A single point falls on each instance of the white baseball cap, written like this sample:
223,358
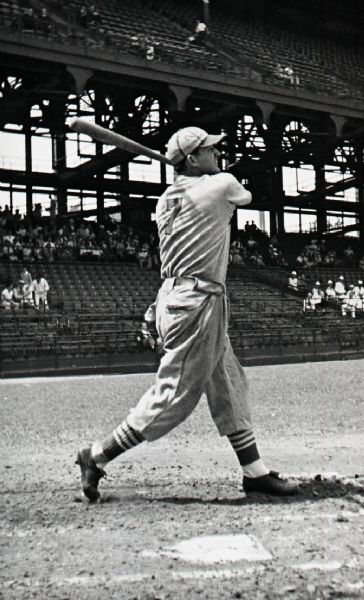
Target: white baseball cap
317,283
188,139
293,273
329,282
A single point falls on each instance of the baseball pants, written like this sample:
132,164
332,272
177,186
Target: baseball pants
192,324
41,297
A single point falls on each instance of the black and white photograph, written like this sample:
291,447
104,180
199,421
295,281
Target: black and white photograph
182,300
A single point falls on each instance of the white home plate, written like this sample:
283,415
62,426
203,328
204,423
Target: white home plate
217,548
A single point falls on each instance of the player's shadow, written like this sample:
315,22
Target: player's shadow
311,491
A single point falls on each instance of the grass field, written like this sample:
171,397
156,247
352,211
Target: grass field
309,422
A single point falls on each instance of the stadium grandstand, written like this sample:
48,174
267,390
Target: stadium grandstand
283,80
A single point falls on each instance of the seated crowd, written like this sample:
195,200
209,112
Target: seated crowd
350,298
34,240
33,20
253,246
27,292
316,254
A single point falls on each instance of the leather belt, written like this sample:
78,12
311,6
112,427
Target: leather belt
195,283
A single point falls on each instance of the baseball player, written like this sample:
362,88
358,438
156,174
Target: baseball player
193,218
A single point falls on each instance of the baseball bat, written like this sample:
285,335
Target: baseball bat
101,134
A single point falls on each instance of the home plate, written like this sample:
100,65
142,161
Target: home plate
211,549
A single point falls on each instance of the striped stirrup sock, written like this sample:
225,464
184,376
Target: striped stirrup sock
245,446
123,438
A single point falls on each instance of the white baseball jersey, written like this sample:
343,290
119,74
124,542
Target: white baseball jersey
193,217
40,286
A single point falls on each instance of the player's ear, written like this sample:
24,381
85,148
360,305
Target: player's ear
191,160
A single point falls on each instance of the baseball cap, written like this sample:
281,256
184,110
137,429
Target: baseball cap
188,139
317,283
360,282
329,282
293,273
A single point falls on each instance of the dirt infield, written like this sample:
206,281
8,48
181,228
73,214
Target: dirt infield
309,423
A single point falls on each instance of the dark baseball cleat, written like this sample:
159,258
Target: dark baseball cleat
90,474
270,484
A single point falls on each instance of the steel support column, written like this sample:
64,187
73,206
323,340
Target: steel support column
320,205
59,164
99,151
28,164
360,192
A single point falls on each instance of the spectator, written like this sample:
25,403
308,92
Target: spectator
22,232
301,260
317,294
120,250
37,253
359,293
28,20
44,22
256,258
83,232
247,227
279,71
7,251
313,255
94,17
7,297
154,251
251,244
27,290
25,276
18,294
340,288
349,302
9,237
308,305
40,288
200,32
330,294
131,249
272,255
290,74
293,280
27,250
236,257
102,236
49,250
83,17
349,257
18,247
329,259
253,227
143,256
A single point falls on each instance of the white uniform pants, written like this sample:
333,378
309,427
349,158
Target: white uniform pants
198,358
41,297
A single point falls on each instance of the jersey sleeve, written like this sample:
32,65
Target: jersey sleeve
235,192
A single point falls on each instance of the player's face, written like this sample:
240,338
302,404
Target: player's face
207,160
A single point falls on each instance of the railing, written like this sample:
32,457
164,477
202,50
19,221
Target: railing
314,342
